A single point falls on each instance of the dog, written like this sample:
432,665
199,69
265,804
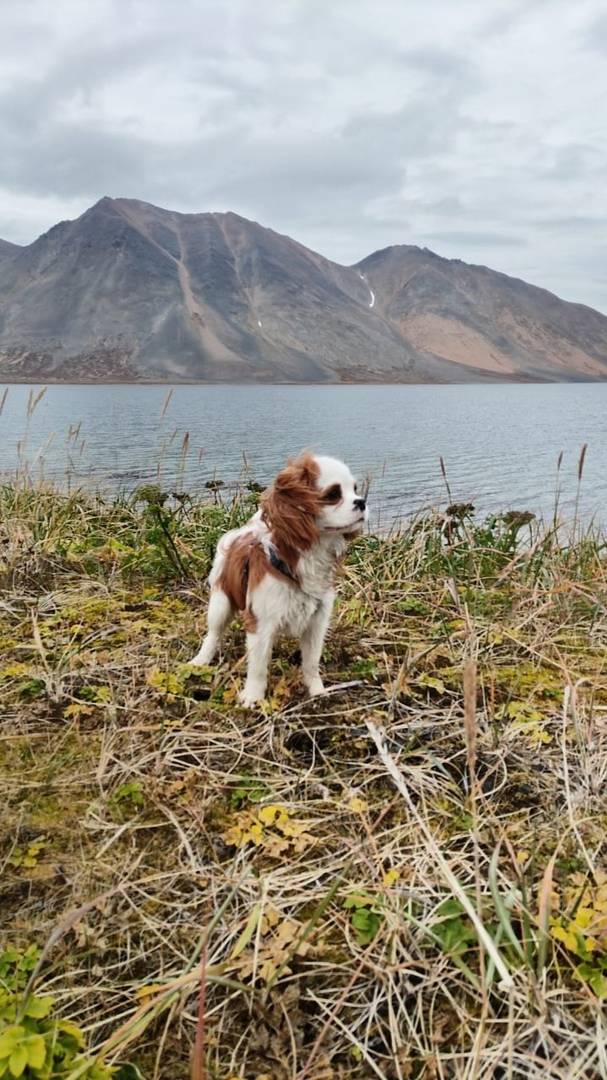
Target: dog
278,569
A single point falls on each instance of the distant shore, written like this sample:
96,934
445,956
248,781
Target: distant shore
49,381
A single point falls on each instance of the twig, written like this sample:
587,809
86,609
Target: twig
454,884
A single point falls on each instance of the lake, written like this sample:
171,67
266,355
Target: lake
500,443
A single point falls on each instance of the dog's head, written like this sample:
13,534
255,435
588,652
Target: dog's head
313,496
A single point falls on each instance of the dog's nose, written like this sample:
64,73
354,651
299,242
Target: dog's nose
360,504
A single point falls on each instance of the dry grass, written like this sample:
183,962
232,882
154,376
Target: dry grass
402,879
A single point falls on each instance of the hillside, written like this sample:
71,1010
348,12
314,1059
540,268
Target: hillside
485,320
7,248
132,291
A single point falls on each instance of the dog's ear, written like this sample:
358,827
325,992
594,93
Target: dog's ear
298,478
291,505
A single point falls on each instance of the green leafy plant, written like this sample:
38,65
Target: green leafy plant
185,681
35,1044
365,918
583,931
249,789
365,669
453,928
128,799
27,857
46,1048
16,966
160,530
526,719
32,688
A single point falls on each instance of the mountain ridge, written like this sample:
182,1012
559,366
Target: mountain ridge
132,292
8,248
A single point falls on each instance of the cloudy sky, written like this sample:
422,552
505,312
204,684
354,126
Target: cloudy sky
473,127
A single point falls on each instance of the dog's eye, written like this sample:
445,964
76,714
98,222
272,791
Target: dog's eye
333,494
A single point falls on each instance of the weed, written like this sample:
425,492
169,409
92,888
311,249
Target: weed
383,881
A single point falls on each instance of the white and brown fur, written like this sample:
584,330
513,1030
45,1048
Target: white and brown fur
278,569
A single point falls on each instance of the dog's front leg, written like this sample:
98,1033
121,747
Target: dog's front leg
312,641
259,651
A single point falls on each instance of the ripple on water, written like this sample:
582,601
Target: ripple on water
500,444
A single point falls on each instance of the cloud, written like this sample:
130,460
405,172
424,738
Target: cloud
474,129
595,35
473,238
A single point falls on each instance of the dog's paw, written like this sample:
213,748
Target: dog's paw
315,687
200,660
250,697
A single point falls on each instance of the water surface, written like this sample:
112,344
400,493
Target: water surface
500,444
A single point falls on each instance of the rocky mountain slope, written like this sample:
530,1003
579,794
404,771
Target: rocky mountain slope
6,248
131,291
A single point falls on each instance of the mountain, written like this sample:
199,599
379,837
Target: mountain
132,291
489,322
6,248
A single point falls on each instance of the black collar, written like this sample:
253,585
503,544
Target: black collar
279,564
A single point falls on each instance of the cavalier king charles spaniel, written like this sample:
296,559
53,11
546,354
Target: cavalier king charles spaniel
278,569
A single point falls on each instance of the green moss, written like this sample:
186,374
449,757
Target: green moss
129,767
525,680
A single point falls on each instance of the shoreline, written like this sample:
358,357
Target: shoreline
199,382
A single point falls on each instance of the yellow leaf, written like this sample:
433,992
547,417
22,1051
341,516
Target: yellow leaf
291,828
276,846
568,939
583,918
432,683
151,988
282,821
255,833
233,835
543,737
358,806
165,682
302,842
270,919
79,709
286,932
391,877
18,668
359,900
268,814
270,966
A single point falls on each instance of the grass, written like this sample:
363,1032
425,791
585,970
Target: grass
403,879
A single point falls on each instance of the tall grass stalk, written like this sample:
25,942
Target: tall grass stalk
578,490
403,875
